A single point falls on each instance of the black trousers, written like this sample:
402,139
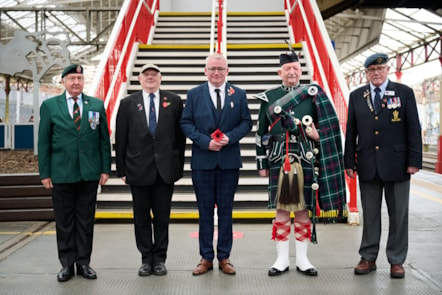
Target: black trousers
151,206
74,211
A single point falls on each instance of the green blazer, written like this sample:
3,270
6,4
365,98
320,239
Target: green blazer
66,155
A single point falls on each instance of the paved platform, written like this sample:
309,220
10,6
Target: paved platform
29,264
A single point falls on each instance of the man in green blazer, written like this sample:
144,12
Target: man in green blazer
74,158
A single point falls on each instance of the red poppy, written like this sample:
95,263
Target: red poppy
231,91
217,135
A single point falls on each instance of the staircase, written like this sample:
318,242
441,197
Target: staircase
179,48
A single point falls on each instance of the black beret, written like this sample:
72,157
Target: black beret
72,69
285,58
376,59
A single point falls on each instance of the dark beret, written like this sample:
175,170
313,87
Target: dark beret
285,58
376,59
72,69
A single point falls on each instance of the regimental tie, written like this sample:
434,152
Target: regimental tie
152,116
218,100
377,100
76,114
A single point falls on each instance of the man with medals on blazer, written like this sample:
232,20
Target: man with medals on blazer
216,116
149,146
74,158
383,146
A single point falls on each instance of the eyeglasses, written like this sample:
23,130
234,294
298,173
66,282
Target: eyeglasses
377,69
72,79
219,69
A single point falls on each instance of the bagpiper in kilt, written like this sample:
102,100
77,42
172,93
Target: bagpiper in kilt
312,100
298,146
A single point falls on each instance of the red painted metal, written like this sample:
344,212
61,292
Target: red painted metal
220,25
413,57
144,24
438,165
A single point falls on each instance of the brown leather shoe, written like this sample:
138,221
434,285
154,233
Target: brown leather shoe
203,267
397,271
364,267
227,267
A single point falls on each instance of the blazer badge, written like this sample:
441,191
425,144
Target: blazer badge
395,116
93,119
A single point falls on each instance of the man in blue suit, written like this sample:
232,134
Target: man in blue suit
216,116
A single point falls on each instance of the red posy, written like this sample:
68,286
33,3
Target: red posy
217,135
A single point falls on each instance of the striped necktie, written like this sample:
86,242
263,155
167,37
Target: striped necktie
76,114
152,116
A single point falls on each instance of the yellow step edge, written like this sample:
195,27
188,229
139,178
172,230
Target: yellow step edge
232,13
171,13
257,13
194,215
229,46
171,46
263,46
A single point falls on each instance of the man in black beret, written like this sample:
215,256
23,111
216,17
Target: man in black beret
384,146
72,69
74,158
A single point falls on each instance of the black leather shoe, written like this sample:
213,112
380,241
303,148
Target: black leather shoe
159,269
308,272
276,272
86,271
65,273
145,270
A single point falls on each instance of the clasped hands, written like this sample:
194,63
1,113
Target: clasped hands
218,140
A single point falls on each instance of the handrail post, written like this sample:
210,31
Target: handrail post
212,27
220,25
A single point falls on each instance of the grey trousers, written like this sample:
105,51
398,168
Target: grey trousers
397,195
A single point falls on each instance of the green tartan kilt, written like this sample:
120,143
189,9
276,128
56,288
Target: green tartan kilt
275,167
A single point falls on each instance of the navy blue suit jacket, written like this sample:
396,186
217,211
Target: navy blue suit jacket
385,143
200,120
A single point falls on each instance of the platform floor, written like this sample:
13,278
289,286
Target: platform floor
29,264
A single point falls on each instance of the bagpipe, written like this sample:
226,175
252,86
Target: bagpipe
290,191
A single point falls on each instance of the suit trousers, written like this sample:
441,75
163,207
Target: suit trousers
151,207
215,187
397,201
74,212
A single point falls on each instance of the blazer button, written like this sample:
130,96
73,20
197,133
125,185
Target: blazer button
377,147
376,132
376,118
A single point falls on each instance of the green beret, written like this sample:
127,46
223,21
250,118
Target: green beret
285,58
72,69
376,59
